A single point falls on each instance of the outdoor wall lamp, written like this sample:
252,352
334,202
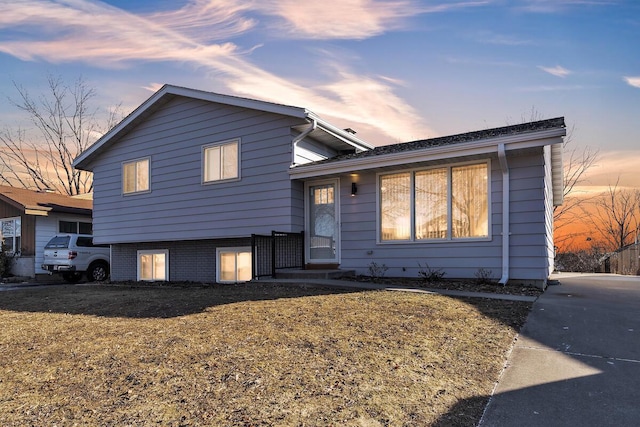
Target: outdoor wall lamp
354,189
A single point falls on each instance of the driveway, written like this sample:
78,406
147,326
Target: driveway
577,359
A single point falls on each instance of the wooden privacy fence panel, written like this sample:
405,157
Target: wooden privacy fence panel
626,261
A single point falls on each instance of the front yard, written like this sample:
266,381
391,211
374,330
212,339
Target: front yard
248,355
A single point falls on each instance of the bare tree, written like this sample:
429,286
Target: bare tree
616,216
64,126
576,162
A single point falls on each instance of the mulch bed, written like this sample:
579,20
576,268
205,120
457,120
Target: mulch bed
456,285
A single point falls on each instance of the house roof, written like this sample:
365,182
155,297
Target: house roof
41,203
525,135
322,130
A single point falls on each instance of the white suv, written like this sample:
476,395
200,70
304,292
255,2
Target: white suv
74,254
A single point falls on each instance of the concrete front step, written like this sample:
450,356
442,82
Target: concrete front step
313,274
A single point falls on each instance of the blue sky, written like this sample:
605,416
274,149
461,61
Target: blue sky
392,70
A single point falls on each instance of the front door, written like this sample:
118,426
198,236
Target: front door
323,235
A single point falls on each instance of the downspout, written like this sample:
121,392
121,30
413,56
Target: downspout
502,157
297,139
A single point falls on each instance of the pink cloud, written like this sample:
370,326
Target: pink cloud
348,19
104,36
633,81
557,71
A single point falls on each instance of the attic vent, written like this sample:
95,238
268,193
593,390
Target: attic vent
351,131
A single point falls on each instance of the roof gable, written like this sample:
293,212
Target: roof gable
169,92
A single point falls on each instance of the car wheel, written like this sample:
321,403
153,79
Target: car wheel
98,272
73,277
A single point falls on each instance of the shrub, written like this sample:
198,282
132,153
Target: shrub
5,264
377,271
430,275
484,277
584,261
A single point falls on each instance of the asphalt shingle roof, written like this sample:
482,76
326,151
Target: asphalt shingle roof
518,129
30,199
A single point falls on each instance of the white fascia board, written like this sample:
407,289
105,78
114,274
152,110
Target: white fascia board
253,104
114,131
340,133
37,211
472,148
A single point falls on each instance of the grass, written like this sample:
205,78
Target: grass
248,355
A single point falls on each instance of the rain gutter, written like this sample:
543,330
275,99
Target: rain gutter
300,137
504,167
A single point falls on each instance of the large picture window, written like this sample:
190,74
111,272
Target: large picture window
153,265
10,234
135,176
220,161
435,204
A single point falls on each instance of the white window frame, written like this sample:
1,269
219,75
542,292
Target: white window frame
136,162
449,237
14,236
165,252
220,144
235,250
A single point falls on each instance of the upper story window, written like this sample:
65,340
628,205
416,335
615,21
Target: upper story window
10,234
435,204
135,176
221,161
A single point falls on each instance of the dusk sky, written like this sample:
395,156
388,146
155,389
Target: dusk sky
392,70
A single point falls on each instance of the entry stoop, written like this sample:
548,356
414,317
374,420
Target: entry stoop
313,274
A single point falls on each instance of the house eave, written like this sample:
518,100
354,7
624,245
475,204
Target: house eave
472,148
341,134
37,210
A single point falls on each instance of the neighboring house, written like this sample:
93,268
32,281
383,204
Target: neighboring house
28,219
182,183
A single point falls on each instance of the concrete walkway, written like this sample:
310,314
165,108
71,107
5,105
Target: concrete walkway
577,359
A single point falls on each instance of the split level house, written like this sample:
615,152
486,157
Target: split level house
28,219
187,185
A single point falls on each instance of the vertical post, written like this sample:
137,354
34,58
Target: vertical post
273,254
254,260
302,254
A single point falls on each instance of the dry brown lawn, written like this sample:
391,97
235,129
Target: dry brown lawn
248,355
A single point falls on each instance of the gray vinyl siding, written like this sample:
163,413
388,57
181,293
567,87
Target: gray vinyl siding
178,206
529,257
458,259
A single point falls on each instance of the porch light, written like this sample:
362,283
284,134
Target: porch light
354,189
